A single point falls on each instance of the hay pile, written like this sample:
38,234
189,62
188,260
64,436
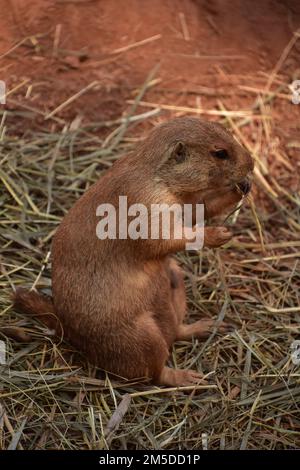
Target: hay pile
50,398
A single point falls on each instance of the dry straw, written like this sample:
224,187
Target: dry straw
52,399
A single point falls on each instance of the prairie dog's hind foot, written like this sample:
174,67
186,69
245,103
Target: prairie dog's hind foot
180,377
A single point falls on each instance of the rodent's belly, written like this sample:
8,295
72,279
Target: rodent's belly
106,306
109,294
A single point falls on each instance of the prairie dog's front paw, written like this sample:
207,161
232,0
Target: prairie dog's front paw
216,236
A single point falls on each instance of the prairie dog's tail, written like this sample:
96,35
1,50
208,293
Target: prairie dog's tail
37,305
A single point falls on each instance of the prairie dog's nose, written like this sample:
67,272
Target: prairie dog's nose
245,186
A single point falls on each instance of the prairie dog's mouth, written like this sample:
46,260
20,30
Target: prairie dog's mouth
221,200
227,200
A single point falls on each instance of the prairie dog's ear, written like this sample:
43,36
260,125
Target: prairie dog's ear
179,152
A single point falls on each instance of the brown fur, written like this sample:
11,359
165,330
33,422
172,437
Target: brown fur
123,301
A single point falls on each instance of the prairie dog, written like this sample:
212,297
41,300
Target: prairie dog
122,301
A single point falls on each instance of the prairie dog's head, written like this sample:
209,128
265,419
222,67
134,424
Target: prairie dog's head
199,162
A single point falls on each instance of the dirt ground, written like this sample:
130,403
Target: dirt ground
206,49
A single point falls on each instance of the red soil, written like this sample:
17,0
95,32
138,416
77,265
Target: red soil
206,50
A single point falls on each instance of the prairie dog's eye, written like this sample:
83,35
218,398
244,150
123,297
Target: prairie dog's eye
222,154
